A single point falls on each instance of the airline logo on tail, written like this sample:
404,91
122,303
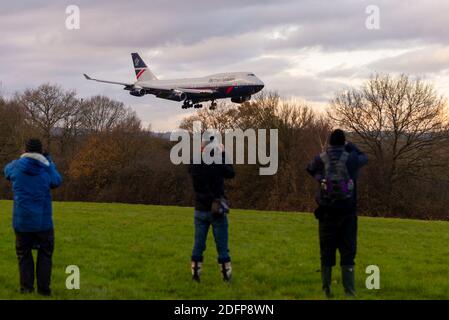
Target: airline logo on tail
141,69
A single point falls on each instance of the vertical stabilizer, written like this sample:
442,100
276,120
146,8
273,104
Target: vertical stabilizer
143,73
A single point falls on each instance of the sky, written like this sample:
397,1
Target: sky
305,49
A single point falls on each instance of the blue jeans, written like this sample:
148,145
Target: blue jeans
203,220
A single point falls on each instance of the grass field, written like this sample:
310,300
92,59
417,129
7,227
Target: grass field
143,252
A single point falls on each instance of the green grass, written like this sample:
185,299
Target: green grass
143,252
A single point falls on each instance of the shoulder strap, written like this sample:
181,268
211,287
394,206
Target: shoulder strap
344,157
342,168
326,160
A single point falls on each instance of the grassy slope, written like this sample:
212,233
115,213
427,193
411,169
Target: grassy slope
142,252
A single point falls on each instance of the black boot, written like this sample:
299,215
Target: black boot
326,278
196,270
348,277
226,270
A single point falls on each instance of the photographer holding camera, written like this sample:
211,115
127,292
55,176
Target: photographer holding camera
336,171
211,209
33,176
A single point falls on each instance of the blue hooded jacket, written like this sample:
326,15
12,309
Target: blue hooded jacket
32,176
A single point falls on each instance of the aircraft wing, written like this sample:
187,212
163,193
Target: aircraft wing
127,85
164,90
156,88
196,91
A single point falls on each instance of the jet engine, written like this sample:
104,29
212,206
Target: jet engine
137,92
240,99
177,95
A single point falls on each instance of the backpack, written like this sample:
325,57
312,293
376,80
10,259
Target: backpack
337,184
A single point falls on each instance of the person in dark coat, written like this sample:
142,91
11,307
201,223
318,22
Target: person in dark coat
338,218
33,176
209,188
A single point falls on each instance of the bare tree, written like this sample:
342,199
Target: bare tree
401,121
258,113
47,106
13,129
100,113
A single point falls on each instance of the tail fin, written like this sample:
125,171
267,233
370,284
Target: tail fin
141,69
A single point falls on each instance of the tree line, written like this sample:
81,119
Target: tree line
106,155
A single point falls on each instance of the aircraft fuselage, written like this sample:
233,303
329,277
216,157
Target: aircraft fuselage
239,86
222,85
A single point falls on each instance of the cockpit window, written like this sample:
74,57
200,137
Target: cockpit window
251,75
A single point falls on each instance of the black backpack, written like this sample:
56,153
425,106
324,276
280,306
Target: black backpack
337,184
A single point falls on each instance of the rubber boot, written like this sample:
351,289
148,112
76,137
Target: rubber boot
326,278
196,270
348,278
226,271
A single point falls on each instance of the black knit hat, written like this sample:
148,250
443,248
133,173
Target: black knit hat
34,146
337,138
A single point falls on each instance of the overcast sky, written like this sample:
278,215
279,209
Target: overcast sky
307,49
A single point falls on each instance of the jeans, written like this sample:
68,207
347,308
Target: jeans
44,243
338,232
203,220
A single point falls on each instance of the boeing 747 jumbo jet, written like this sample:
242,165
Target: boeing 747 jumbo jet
238,86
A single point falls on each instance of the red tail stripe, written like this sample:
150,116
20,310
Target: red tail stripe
140,73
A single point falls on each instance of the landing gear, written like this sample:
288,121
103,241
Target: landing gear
187,104
213,105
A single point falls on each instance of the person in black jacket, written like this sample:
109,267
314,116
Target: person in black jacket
338,218
208,185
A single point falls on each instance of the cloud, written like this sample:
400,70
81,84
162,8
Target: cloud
305,48
434,59
310,88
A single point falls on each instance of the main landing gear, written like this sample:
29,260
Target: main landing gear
213,105
189,104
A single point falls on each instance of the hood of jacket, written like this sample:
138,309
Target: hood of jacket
33,163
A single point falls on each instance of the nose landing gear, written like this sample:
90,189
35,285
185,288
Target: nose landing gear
213,105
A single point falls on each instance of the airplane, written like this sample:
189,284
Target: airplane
239,86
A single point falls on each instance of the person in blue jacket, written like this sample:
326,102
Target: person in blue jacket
33,176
